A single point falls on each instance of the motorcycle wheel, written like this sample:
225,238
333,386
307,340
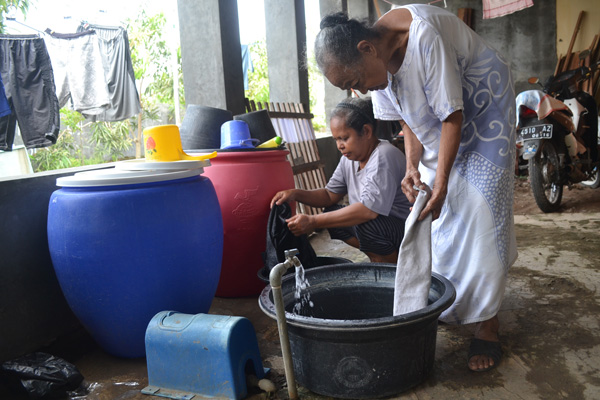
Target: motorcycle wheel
594,183
543,173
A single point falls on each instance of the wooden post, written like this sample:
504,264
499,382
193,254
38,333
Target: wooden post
577,27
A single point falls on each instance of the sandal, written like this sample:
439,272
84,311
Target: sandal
487,348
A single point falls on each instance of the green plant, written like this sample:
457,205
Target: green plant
111,139
258,79
58,156
65,153
152,61
316,94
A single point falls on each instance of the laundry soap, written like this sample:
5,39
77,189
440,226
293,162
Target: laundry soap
275,142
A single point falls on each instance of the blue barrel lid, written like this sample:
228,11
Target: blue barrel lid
114,177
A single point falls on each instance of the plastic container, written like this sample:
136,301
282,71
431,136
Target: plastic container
245,183
349,345
204,354
128,244
264,272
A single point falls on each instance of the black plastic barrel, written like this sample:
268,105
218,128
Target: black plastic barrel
349,345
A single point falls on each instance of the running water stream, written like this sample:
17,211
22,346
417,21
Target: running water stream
303,303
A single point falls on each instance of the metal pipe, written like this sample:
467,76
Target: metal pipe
275,279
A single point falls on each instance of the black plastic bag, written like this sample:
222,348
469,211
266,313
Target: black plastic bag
280,239
42,375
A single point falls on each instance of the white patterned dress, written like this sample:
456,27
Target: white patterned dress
447,67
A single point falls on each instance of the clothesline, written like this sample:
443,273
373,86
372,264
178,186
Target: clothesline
19,22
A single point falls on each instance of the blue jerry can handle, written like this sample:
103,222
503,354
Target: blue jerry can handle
175,321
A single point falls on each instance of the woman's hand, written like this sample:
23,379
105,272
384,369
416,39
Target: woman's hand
283,197
411,179
301,224
435,203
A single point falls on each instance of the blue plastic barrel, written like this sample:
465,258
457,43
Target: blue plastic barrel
127,245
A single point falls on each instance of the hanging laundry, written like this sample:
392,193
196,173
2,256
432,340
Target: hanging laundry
4,106
114,47
78,71
26,72
247,65
498,8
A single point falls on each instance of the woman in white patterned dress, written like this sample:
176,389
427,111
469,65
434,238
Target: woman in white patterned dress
454,97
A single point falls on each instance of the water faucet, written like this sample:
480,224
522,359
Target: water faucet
275,279
277,272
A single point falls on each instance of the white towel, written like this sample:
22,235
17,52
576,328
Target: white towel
413,273
498,8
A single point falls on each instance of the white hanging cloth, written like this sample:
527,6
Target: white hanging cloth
413,272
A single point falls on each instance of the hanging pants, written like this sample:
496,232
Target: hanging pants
78,71
123,94
30,92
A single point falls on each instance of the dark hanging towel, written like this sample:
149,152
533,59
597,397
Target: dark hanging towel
30,90
124,98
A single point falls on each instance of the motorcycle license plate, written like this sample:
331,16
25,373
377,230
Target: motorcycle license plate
537,132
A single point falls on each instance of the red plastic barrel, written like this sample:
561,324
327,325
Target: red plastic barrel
245,182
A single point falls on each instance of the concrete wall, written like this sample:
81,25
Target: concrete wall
527,38
33,308
567,12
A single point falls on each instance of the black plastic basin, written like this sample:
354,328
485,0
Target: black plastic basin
263,273
349,345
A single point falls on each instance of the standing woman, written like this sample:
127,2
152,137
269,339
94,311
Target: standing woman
454,96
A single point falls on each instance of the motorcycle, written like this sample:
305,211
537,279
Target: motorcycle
557,135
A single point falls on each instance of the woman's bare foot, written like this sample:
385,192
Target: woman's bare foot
488,331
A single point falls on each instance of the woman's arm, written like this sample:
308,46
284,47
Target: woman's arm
449,143
313,198
351,215
413,149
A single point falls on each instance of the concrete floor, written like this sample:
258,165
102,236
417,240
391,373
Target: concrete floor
550,327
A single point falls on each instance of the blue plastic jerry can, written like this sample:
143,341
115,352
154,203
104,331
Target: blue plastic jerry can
202,354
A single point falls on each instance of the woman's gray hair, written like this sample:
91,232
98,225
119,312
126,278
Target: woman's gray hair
356,113
336,42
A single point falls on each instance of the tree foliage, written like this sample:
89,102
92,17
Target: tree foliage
64,153
112,139
258,79
7,5
151,57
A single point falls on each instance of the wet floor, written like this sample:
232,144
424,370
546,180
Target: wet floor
550,328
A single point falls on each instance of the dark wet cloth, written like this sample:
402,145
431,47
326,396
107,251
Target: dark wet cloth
280,238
